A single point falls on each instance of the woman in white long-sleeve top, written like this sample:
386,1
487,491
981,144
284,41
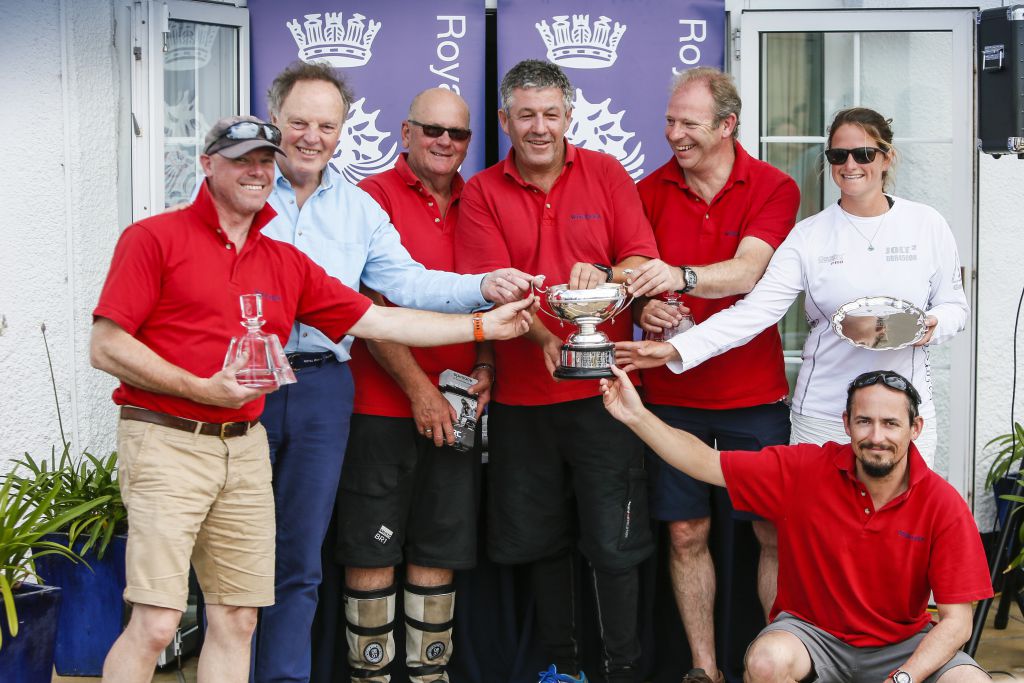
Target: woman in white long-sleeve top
867,244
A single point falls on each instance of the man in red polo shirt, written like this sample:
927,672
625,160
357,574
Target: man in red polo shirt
556,460
401,424
720,214
866,531
194,465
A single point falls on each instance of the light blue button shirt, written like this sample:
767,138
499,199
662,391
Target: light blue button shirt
346,232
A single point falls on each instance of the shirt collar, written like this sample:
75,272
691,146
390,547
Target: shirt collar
206,211
327,179
513,172
412,180
740,172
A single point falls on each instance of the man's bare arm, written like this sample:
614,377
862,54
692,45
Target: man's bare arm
942,642
730,277
680,449
114,351
424,328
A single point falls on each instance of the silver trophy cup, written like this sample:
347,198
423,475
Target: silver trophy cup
587,353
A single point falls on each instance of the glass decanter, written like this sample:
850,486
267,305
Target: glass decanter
267,366
672,299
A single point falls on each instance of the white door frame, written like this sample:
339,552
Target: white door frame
746,27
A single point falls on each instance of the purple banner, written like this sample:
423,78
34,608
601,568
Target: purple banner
620,57
388,51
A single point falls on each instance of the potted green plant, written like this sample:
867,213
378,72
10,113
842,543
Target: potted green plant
1002,473
29,616
91,617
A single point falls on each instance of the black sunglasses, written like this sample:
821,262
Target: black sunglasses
432,131
890,379
862,155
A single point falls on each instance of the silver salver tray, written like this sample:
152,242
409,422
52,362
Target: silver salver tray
880,323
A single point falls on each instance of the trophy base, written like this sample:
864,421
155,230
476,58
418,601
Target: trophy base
582,373
592,362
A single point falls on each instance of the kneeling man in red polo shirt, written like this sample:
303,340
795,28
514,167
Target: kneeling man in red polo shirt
866,530
194,463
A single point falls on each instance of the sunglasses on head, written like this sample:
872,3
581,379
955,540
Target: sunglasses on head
862,155
889,379
249,130
432,131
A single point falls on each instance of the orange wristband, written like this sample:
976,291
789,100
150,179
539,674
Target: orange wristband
478,327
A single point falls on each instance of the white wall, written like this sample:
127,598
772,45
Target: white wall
58,190
1000,281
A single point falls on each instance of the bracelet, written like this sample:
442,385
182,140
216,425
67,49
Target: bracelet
478,327
485,366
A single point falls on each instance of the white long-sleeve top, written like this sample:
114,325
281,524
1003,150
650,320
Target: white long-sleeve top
914,258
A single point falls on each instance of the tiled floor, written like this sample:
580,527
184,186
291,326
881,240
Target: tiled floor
1001,652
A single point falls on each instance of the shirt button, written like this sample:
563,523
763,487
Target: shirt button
227,246
300,232
707,215
305,334
863,493
291,201
548,205
430,203
437,220
867,511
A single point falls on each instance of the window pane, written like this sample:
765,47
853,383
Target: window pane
200,86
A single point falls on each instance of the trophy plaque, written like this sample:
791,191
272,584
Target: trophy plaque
880,323
267,366
587,353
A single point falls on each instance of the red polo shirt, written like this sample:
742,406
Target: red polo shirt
758,200
430,239
861,574
592,214
174,284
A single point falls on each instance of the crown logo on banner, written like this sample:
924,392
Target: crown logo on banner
330,41
578,46
359,154
189,45
595,127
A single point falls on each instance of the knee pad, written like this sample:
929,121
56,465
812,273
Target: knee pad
429,617
370,617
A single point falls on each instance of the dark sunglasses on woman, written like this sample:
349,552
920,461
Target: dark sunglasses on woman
862,155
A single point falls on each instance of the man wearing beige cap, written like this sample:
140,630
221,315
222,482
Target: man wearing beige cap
194,466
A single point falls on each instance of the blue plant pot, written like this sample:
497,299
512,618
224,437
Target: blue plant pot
28,658
93,612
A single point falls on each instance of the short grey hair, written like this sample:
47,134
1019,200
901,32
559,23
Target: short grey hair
535,73
302,71
723,92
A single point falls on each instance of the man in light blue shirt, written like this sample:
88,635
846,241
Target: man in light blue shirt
345,231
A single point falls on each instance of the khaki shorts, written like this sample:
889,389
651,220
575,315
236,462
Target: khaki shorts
201,499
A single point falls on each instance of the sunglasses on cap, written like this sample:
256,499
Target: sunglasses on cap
432,131
246,130
862,155
889,379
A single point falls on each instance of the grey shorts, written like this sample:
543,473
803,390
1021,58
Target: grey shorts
834,660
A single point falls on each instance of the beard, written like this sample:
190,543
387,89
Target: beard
874,469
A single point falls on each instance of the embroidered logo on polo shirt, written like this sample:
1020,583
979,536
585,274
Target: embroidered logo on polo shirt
383,535
910,537
267,296
584,216
832,260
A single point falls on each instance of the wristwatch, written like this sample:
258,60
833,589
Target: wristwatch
607,270
689,280
900,676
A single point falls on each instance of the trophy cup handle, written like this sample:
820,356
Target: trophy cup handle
626,303
539,292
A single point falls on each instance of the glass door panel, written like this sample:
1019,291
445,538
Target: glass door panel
807,66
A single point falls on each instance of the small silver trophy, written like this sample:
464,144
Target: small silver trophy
587,353
267,366
880,323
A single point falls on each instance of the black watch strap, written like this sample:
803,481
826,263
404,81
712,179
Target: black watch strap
689,280
607,270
